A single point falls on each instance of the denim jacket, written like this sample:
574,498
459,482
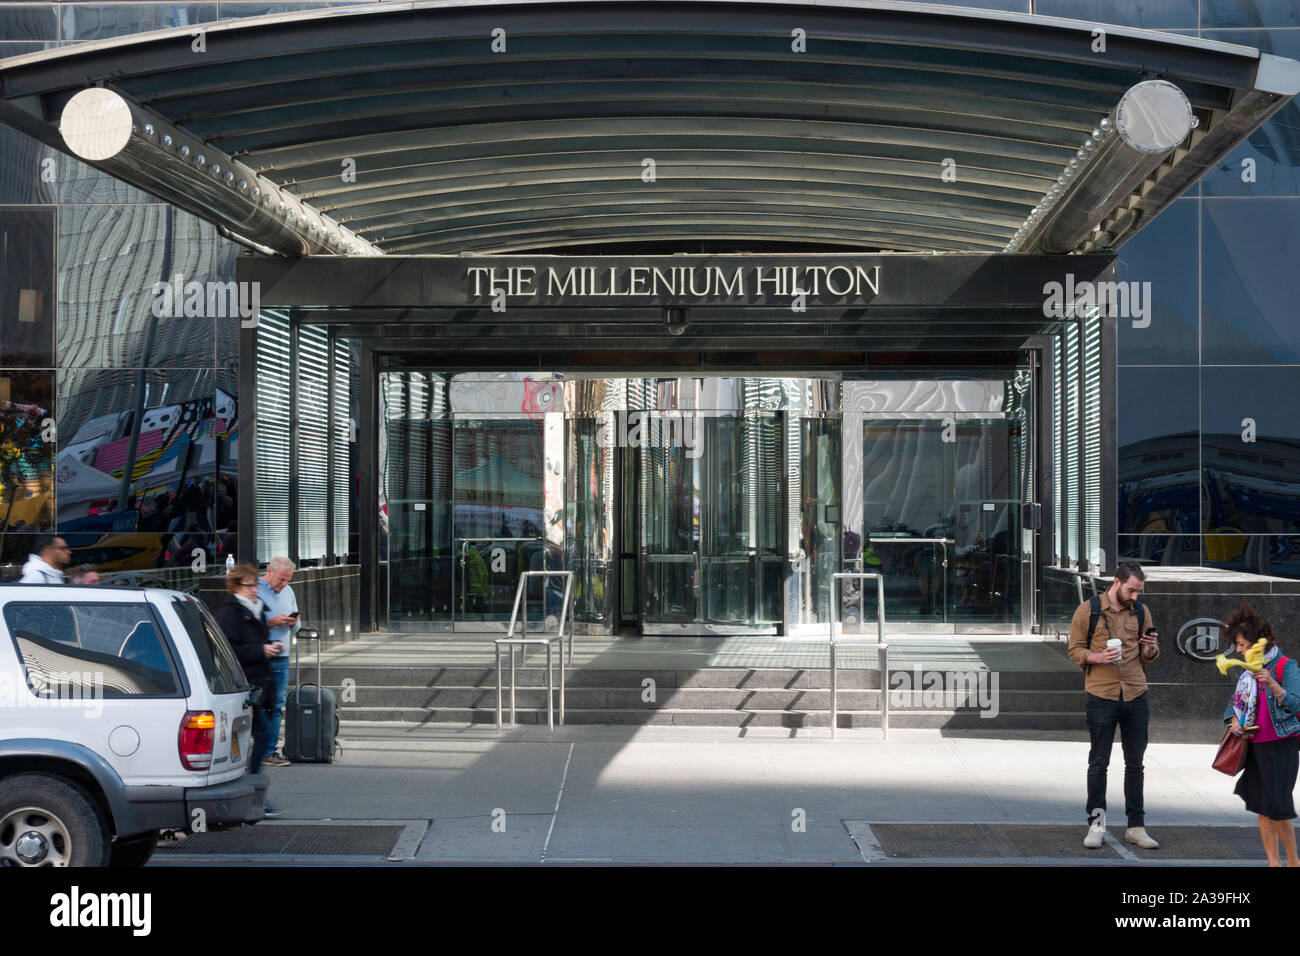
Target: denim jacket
1285,712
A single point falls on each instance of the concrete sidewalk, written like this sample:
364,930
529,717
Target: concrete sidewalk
710,795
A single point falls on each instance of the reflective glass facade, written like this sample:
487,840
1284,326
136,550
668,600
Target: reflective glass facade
117,425
711,505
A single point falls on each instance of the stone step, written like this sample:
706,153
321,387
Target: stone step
902,720
720,678
698,698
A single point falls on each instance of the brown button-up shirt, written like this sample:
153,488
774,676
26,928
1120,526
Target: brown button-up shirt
1109,680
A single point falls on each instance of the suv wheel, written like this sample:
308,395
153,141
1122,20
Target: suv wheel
133,852
48,821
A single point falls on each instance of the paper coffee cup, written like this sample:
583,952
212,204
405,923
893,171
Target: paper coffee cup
1114,642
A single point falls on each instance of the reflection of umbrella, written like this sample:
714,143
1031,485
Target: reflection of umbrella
496,482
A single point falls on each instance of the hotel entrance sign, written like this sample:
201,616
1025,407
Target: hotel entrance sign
810,281
676,284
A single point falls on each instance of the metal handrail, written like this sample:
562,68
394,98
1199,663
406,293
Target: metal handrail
521,598
879,644
521,602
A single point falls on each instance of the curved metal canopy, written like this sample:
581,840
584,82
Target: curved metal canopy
493,127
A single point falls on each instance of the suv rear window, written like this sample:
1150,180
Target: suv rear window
112,650
220,666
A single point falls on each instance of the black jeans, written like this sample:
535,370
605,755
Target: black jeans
1133,717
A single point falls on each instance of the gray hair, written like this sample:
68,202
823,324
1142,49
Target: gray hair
279,564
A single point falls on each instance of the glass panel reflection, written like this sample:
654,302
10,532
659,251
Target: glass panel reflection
1159,452
1152,14
26,451
22,21
137,466
670,534
26,287
90,21
111,315
1163,549
1163,254
590,520
496,513
1249,13
741,526
1250,282
1250,450
820,510
1266,163
26,164
941,511
693,503
1277,555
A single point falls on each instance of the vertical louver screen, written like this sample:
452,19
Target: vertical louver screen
313,441
342,426
1072,477
1089,554
1058,451
272,435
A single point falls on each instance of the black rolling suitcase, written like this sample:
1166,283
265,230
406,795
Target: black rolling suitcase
311,714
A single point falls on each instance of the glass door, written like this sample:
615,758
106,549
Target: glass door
941,515
496,515
712,529
670,539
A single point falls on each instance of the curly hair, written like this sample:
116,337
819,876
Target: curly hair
1245,622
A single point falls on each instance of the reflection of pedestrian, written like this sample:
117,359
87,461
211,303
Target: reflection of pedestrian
45,565
84,574
476,580
1273,755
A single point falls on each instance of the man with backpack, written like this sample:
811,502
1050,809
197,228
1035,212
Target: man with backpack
1116,689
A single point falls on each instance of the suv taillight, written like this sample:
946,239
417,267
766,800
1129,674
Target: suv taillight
198,728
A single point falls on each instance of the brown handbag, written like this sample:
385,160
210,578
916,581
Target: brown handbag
1231,757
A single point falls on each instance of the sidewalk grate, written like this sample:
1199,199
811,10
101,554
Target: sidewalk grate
290,839
993,841
927,841
1194,843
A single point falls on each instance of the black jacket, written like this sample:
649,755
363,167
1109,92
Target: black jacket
247,634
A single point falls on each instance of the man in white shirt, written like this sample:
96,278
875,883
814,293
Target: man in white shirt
46,564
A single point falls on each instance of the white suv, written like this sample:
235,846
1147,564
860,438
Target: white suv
123,714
